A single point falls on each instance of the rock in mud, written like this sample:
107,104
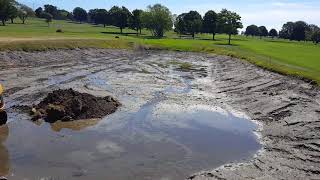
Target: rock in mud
68,105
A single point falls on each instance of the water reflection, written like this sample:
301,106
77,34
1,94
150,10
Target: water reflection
77,125
4,153
162,140
74,125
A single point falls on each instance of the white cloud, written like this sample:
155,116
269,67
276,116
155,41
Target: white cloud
275,14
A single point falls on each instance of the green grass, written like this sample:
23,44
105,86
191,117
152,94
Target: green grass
292,58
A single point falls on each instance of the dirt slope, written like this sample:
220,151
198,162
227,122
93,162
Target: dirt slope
289,111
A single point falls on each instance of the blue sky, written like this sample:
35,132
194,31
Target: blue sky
271,13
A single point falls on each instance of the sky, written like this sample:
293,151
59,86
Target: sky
270,13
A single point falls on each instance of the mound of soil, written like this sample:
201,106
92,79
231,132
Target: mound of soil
68,105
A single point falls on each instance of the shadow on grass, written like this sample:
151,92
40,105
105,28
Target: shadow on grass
97,25
143,36
76,22
237,39
118,33
209,39
227,45
132,34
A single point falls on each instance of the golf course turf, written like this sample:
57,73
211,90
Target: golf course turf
287,57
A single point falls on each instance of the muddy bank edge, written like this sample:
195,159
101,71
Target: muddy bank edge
289,111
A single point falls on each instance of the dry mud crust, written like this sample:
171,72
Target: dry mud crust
288,111
69,105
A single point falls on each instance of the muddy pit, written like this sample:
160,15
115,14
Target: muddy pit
181,114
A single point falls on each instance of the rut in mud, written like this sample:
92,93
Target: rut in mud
68,105
143,141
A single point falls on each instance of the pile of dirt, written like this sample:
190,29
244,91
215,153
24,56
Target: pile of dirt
68,105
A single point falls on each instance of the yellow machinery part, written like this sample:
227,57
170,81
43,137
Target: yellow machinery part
1,98
1,89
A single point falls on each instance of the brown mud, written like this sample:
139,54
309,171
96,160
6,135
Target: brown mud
69,105
286,109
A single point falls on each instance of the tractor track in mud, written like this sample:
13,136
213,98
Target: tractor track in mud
288,109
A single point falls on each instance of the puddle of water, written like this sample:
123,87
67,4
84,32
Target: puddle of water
159,141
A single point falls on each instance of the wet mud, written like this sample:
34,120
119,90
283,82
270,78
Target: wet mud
69,105
182,113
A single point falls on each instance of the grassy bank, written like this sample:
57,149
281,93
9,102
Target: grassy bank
293,58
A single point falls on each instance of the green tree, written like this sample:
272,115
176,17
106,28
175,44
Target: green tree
92,16
70,16
263,32
193,22
294,30
179,25
99,16
48,17
287,30
252,30
13,13
23,15
310,31
210,21
5,6
316,36
158,19
273,33
53,10
39,12
80,14
229,23
103,17
136,21
24,12
299,31
62,14
120,17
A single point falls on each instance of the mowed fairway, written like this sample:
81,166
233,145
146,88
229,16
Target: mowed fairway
288,57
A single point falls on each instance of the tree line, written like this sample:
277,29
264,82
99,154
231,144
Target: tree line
58,14
10,10
117,16
299,31
158,19
262,31
223,22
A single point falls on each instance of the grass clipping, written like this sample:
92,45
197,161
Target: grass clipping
69,105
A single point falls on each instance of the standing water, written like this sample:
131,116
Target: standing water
159,141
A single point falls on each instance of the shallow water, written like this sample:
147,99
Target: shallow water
168,137
161,140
